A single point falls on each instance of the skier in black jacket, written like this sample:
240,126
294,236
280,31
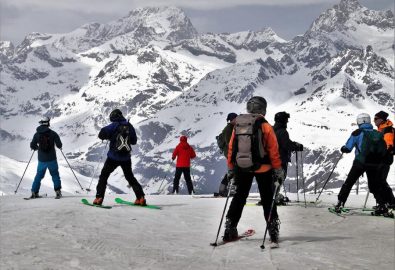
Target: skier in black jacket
227,134
285,145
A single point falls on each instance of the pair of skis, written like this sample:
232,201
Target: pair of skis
120,201
358,211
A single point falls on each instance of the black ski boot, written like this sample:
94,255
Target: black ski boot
339,206
274,230
280,199
34,195
58,194
230,233
381,210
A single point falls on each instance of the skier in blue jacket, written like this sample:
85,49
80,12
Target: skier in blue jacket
121,135
360,165
44,141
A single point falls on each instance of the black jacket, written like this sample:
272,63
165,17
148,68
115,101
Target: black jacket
53,139
227,133
285,145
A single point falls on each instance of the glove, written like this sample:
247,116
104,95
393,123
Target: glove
344,149
278,176
299,147
231,175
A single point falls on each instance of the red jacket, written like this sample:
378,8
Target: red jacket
184,152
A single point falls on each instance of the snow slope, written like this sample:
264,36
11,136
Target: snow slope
64,234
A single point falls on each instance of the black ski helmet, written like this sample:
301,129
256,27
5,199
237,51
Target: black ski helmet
257,105
115,115
281,117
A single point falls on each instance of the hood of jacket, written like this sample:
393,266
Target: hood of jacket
42,129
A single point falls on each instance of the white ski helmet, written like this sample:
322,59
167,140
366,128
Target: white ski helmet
363,118
44,121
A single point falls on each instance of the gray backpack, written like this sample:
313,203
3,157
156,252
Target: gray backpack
248,152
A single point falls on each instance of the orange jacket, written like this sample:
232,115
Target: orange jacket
389,136
271,147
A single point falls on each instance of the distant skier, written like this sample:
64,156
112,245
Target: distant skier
370,150
184,153
286,146
223,142
44,140
253,152
385,126
121,135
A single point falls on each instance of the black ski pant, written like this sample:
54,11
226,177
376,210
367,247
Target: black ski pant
388,195
187,176
243,185
373,174
109,166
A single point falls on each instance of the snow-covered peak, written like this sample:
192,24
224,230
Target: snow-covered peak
6,50
348,13
140,27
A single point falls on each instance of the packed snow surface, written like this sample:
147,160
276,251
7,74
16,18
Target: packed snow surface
65,234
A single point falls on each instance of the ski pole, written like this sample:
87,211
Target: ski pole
16,190
297,177
304,189
97,166
159,190
366,199
269,219
71,168
328,178
223,213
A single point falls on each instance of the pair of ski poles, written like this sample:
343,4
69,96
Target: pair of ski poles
297,178
277,187
16,190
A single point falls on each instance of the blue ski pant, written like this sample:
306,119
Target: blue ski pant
42,167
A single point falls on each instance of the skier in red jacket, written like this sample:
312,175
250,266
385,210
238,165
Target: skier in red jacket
184,153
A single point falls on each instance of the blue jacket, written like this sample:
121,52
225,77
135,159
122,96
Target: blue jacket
109,132
356,138
53,139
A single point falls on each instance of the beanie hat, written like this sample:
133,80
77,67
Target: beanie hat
281,117
382,115
231,116
115,115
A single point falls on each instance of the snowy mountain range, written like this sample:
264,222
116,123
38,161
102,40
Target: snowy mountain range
169,80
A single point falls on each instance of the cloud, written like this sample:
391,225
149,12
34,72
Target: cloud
105,6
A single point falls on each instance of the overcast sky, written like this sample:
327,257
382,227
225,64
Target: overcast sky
286,17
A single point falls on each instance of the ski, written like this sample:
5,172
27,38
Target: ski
39,197
359,212
332,210
247,233
85,201
121,201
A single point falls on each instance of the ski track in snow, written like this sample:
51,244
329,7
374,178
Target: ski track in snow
65,234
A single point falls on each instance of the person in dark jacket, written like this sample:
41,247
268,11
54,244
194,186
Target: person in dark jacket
121,135
227,134
359,167
385,126
184,153
44,140
285,146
